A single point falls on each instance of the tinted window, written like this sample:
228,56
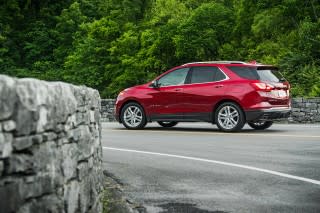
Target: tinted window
206,74
254,73
176,77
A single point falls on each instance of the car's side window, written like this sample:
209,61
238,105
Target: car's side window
176,77
206,74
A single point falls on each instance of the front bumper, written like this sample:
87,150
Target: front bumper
117,117
268,114
116,114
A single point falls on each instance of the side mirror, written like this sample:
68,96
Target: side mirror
154,84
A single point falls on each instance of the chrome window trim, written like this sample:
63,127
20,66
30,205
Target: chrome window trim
215,62
225,79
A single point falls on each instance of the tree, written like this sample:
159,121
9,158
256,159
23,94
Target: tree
88,62
111,44
200,36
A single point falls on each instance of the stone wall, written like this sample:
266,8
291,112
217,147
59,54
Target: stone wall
50,147
304,110
107,110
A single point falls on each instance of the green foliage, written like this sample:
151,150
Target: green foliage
88,62
200,36
112,44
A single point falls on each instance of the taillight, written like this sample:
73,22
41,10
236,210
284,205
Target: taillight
263,86
288,86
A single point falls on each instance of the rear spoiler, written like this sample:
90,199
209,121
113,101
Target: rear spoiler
267,67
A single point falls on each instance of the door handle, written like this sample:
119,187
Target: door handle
178,89
218,86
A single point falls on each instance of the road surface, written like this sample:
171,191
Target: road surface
193,167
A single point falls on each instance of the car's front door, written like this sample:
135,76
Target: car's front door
168,97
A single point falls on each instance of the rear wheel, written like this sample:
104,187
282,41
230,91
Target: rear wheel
229,117
167,124
260,125
133,116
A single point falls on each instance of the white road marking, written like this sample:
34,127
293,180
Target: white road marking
308,180
300,125
177,131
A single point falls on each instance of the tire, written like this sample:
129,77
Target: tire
229,117
133,116
260,125
167,124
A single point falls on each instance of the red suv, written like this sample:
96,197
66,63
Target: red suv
225,93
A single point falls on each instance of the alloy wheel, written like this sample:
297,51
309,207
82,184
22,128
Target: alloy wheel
133,116
167,123
228,117
260,125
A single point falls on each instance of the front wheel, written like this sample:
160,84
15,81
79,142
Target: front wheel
229,117
260,125
167,124
133,116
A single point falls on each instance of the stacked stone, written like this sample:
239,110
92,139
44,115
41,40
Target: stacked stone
107,110
305,110
50,147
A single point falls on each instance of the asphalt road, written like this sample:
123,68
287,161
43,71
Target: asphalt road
195,168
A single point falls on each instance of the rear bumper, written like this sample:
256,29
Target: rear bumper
268,114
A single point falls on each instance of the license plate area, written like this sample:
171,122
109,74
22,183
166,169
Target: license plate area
279,93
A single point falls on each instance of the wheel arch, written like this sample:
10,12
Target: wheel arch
215,107
130,101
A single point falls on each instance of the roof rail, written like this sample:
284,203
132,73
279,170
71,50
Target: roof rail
216,62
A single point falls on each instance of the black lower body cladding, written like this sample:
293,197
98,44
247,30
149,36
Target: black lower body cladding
268,114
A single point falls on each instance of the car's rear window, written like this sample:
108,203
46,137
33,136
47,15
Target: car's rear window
270,74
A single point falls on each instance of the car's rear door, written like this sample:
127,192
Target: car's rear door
279,94
204,87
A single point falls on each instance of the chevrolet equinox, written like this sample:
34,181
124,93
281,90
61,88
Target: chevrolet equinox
226,93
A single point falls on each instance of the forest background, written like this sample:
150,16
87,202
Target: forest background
113,44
